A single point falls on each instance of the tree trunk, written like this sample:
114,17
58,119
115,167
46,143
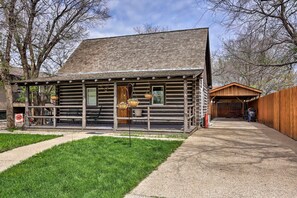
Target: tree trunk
9,105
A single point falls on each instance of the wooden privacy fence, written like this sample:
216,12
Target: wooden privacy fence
279,111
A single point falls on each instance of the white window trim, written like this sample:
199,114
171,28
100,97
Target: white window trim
91,105
163,94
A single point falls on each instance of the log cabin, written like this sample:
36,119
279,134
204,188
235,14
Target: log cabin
167,73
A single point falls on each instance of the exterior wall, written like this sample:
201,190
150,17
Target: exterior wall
71,94
18,107
2,104
203,99
2,99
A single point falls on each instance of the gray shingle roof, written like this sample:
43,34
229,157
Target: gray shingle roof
173,53
183,49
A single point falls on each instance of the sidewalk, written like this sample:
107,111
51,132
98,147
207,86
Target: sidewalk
15,156
232,159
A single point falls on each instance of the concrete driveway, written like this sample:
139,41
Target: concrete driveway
231,159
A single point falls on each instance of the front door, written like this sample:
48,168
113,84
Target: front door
123,96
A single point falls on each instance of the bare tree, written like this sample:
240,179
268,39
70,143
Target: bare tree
38,30
235,64
149,28
274,22
7,28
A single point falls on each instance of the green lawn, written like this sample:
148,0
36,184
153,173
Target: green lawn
11,141
93,167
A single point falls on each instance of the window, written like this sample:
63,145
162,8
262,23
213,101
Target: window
91,96
158,95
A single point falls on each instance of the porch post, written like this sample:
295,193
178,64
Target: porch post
194,103
84,112
54,117
26,106
115,110
185,105
148,118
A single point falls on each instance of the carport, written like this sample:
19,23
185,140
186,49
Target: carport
230,101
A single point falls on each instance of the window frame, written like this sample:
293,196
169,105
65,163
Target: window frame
96,95
152,91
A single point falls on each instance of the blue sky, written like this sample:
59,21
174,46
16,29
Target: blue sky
173,14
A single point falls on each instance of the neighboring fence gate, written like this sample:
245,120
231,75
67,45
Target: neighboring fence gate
279,111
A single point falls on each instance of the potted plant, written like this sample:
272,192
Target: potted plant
54,98
123,105
138,112
148,96
133,102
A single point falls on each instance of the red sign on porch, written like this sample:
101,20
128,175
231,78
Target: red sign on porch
19,119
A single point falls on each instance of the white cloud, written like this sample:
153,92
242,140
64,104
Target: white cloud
182,14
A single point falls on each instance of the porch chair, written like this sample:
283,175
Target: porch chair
73,112
95,117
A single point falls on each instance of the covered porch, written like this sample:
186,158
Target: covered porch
178,113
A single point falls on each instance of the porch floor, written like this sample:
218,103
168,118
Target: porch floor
121,127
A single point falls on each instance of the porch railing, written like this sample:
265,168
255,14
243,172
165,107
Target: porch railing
53,115
189,116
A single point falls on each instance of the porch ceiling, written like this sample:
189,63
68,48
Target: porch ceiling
111,76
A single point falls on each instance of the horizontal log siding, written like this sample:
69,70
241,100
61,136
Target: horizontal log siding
202,101
105,100
206,99
199,99
71,94
174,95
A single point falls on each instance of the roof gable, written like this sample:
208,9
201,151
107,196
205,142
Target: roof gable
235,89
184,49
